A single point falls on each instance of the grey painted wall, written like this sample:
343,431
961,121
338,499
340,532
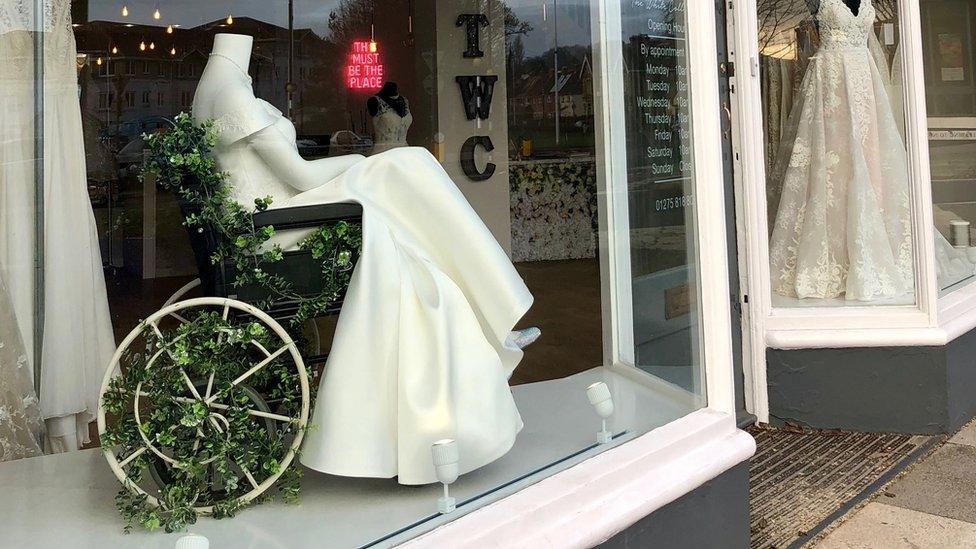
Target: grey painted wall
715,515
890,389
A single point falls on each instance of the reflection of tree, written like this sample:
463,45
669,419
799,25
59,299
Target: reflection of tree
350,19
778,20
514,25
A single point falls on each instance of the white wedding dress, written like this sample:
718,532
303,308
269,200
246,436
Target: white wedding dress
389,127
843,227
77,331
422,349
20,415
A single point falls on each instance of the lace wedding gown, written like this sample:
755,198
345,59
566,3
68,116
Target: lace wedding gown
390,128
843,227
20,415
77,338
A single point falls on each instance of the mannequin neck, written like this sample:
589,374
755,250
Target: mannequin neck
234,47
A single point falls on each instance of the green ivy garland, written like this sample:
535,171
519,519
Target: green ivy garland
181,161
211,460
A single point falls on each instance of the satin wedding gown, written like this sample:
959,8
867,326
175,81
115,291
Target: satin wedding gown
843,227
77,339
422,349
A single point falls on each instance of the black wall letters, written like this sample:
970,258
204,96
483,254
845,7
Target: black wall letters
476,95
472,23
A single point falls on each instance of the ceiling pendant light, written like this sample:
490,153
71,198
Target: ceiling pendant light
372,35
125,10
115,50
172,51
156,14
230,19
169,29
98,61
142,46
152,45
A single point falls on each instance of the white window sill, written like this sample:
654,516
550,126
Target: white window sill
956,316
590,502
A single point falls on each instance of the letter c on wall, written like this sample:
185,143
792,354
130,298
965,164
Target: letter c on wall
468,165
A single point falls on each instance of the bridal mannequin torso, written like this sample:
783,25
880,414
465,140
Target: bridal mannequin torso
391,118
256,144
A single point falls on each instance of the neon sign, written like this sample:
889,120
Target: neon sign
364,71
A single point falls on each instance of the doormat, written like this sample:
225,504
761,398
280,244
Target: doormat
801,480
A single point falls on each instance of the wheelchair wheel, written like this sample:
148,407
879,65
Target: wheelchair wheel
185,289
196,392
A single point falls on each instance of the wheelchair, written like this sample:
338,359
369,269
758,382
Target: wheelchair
255,400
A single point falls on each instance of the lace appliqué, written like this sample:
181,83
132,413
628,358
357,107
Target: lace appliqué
843,223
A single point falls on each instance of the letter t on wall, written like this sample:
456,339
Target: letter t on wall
472,23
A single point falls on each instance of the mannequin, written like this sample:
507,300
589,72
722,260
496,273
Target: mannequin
228,61
854,5
390,95
425,332
391,118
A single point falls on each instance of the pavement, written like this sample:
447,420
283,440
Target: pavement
931,505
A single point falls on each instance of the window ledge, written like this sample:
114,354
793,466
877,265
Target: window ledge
957,311
590,502
956,314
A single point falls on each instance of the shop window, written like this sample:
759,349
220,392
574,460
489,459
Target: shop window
839,191
494,105
949,58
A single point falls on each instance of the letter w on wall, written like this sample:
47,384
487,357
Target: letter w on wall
476,95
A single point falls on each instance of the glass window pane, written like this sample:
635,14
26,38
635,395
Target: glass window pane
660,198
21,181
466,131
838,191
948,27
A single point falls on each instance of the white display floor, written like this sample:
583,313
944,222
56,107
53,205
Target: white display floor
66,500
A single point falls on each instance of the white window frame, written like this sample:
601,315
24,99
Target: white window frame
568,509
933,320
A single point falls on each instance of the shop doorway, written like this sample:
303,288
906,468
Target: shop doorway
726,68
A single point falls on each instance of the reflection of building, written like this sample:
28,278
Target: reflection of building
130,90
536,95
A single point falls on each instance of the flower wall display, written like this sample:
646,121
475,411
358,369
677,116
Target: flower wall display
554,209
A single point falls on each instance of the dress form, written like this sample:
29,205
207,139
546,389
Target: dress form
391,118
223,84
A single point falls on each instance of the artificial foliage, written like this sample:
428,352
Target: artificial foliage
219,453
181,160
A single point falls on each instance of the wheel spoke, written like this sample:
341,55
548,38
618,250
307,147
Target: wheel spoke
250,477
250,411
179,317
132,456
209,385
252,370
220,335
189,383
